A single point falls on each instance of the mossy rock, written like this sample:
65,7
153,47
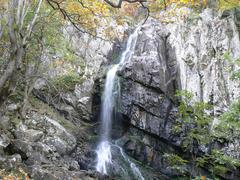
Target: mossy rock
45,109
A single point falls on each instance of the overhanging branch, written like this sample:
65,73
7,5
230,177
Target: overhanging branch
119,3
56,5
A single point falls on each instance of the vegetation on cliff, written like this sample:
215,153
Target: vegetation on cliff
32,33
199,133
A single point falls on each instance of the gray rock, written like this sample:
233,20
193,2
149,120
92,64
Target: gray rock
31,135
148,109
55,134
56,143
36,158
12,161
22,146
4,140
184,55
12,107
53,173
190,56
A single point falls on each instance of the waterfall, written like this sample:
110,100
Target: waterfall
133,166
104,156
104,148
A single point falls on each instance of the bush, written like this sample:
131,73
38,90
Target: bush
194,121
229,127
66,82
176,162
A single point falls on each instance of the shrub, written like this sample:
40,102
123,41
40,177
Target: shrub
194,121
66,82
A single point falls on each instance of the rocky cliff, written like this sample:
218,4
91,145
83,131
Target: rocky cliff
184,55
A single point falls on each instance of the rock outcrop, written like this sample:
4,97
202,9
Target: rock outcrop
185,55
44,147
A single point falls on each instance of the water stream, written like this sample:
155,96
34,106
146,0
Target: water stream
104,156
134,168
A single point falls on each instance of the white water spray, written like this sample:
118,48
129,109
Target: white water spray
133,166
104,149
104,156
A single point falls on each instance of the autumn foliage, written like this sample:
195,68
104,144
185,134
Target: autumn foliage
156,5
88,13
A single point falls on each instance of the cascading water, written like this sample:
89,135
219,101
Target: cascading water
104,156
104,148
133,166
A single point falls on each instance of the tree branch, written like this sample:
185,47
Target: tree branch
56,6
119,4
30,26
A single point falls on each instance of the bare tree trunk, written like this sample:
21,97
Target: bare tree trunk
17,10
31,72
11,67
25,101
7,74
26,91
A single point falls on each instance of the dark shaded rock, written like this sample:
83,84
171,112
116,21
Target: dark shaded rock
149,110
13,161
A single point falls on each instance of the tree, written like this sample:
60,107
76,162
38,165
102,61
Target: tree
156,5
24,28
18,31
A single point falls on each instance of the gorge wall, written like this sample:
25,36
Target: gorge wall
185,55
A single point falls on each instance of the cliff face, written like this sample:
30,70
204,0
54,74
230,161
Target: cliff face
185,55
188,55
91,53
200,46
60,141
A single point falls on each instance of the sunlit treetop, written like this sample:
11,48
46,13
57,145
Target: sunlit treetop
175,10
155,5
88,15
228,4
